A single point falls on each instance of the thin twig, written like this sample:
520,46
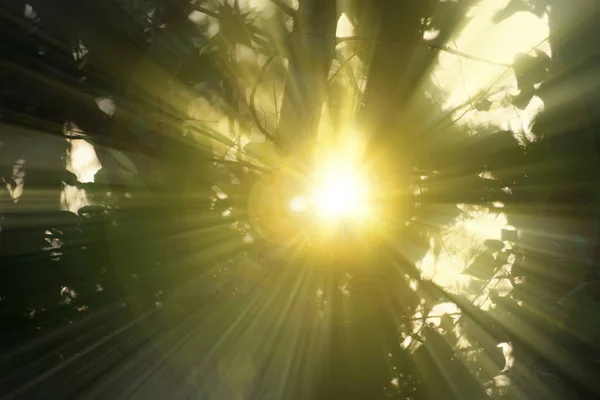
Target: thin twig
467,56
520,120
276,104
428,316
260,127
242,163
343,64
430,46
463,75
489,89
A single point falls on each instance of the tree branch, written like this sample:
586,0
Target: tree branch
240,163
429,46
467,56
259,80
285,8
343,64
214,14
206,11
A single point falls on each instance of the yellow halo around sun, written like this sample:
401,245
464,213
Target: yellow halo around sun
338,192
337,185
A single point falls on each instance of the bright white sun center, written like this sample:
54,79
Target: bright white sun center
340,193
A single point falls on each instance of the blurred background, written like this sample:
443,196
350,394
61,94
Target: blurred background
309,199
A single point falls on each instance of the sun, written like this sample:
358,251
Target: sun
338,191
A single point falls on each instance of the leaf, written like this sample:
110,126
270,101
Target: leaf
502,385
30,14
502,257
233,26
483,267
543,59
123,161
511,235
100,176
539,8
483,105
493,245
511,8
229,189
59,219
431,293
475,286
509,358
447,323
17,192
70,178
91,210
106,105
521,100
530,70
518,267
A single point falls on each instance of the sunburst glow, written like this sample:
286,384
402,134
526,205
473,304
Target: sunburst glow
340,192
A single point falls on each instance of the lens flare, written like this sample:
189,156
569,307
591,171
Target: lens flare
340,192
337,192
299,204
